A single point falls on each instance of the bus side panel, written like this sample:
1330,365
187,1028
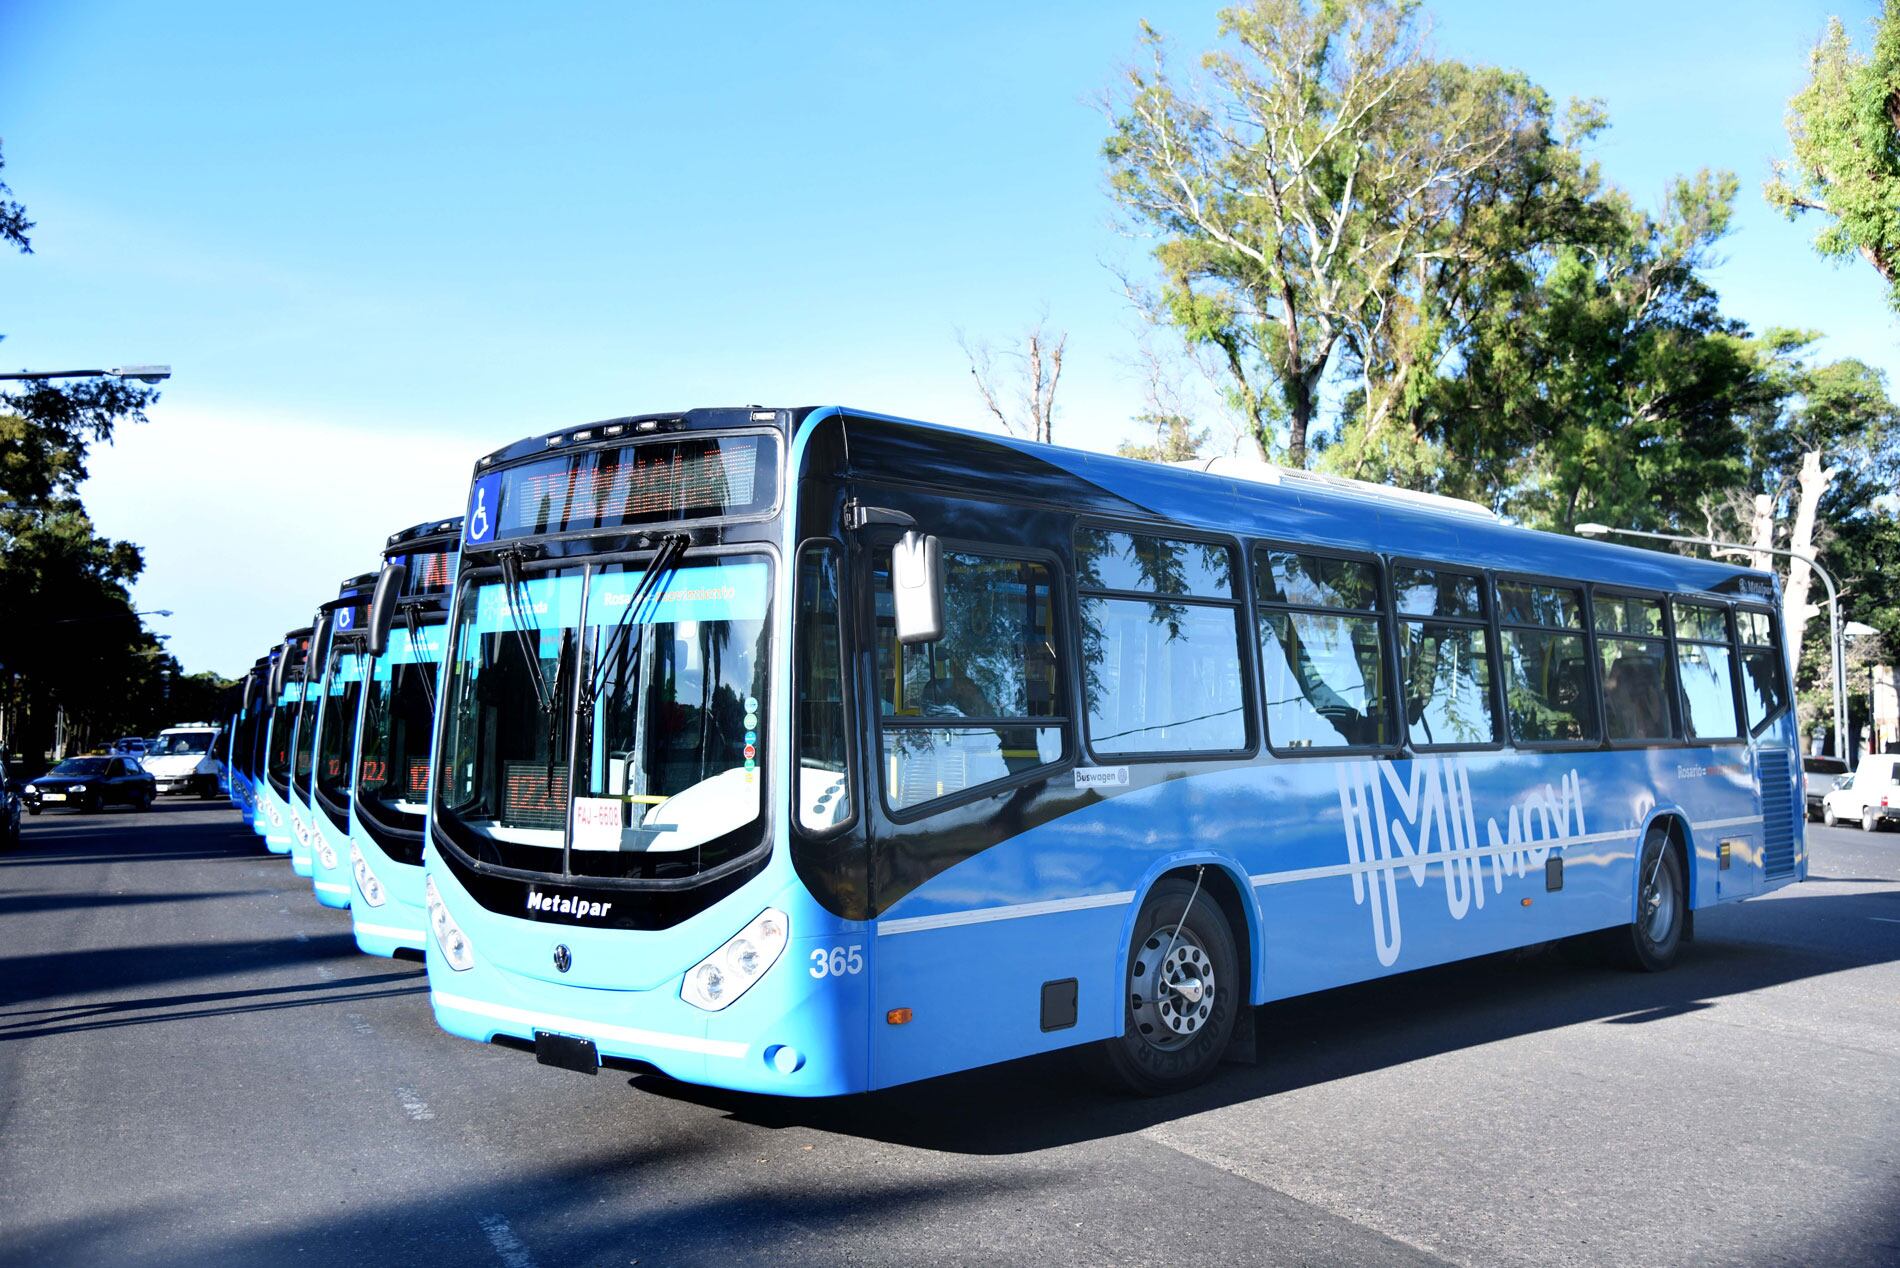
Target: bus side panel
1360,868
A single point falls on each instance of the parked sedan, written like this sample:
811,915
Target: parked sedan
1824,775
92,783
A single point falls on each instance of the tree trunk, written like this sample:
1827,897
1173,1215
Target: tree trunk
1761,531
1795,610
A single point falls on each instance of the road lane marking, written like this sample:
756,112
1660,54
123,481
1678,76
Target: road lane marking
506,1244
413,1105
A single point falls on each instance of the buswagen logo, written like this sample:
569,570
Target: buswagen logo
1436,821
555,905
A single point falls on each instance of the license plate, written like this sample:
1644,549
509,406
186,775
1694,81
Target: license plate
566,1052
52,796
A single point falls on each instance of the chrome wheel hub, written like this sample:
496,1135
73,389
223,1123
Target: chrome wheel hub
1171,989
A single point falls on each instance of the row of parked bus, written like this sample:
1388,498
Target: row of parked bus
811,751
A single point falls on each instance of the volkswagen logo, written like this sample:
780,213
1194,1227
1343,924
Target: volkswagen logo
563,958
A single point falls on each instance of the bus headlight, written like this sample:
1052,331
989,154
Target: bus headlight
366,883
730,971
448,935
325,855
77,788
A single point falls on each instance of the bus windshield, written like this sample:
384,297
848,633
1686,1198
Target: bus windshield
283,716
336,733
643,698
304,737
392,780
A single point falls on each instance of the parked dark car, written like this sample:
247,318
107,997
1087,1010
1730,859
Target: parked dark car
92,783
1823,774
10,807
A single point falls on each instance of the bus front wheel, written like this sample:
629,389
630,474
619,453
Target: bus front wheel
1650,943
1181,994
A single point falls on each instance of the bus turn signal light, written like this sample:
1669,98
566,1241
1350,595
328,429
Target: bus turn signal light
898,1016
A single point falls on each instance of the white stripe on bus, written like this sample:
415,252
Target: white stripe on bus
390,931
982,915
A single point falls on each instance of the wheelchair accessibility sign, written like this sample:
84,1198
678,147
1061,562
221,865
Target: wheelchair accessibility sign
484,504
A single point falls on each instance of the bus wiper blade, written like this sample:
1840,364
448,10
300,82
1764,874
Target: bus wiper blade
517,600
416,648
659,568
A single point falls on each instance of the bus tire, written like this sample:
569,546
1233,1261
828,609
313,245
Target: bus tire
1175,1041
1651,942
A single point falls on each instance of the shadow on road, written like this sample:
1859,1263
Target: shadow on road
20,904
1042,1102
80,975
178,831
579,1211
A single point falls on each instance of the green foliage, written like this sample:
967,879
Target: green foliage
1176,439
1298,203
1845,131
13,221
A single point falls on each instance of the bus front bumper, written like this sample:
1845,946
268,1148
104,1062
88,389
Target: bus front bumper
789,1035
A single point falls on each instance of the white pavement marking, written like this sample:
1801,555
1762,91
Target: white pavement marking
413,1105
506,1244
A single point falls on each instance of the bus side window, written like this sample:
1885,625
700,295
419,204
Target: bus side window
1547,692
1161,645
1635,661
1705,671
1764,685
1445,656
1323,639
823,778
981,704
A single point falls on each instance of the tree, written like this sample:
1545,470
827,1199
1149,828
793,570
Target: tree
1023,400
71,639
1845,131
1298,196
1822,445
1176,439
1591,374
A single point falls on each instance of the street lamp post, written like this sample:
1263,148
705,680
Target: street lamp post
1835,646
143,373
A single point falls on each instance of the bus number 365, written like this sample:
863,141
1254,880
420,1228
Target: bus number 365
837,962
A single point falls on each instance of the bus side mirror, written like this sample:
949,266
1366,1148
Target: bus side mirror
917,587
320,644
382,608
278,671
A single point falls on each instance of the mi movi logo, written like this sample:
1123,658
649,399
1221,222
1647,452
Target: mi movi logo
1395,823
556,905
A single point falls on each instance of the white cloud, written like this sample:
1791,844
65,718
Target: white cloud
248,523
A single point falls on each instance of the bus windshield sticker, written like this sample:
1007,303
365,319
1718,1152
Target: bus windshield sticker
597,823
1101,777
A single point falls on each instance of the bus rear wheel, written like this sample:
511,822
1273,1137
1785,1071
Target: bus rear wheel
1650,943
1182,994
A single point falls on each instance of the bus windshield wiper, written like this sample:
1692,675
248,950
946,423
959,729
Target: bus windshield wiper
659,568
516,596
417,649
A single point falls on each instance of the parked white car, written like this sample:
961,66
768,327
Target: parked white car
1869,796
183,759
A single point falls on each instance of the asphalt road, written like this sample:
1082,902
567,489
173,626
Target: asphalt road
196,1067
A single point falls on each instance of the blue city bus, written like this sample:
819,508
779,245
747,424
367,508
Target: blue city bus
815,751
389,808
322,785
245,740
285,693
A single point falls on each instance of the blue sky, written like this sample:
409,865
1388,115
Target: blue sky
374,241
